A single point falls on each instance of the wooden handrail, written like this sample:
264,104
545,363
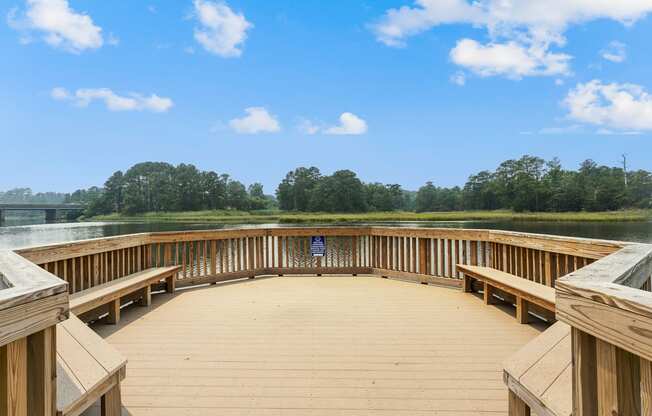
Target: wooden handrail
597,283
611,320
32,303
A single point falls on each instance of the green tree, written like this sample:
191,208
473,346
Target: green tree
340,192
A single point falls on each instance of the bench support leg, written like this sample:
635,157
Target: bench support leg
517,407
488,294
114,312
468,284
170,284
146,300
111,402
522,310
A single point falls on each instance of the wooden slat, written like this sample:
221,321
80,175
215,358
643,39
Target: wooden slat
41,373
13,378
646,387
607,379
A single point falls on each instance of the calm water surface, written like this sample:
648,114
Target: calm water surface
15,236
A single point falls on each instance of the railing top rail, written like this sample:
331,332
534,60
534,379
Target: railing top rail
31,299
583,247
23,281
604,299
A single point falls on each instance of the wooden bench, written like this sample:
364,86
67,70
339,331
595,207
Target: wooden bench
525,291
138,285
88,369
539,376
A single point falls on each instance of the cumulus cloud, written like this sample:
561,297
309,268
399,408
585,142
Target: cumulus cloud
350,124
458,78
615,52
509,59
113,102
610,106
220,31
308,127
60,25
518,27
257,120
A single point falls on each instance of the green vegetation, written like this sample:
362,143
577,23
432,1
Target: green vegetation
320,218
526,185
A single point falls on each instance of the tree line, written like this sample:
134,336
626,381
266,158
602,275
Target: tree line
526,184
27,196
159,186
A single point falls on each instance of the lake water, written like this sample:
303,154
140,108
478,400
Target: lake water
15,236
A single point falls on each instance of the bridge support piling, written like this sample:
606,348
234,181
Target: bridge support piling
2,217
50,215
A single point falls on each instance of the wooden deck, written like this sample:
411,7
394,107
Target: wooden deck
297,346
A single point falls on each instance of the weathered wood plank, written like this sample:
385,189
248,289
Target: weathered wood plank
41,373
13,378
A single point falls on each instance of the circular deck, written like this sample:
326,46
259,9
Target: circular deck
316,346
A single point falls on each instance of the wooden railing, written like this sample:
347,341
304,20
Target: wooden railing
598,282
609,307
32,302
428,255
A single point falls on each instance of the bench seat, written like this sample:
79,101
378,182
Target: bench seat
540,374
88,369
110,293
524,290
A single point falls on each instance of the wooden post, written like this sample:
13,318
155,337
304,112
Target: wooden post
13,378
488,294
468,284
474,253
146,299
517,407
170,283
607,371
111,403
646,387
423,258
522,308
629,378
114,312
584,373
42,373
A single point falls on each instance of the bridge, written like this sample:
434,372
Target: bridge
51,210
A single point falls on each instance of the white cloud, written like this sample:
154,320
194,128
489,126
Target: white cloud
458,78
574,128
308,127
612,106
607,132
509,59
152,9
113,40
524,27
615,52
350,124
114,102
221,31
257,120
61,26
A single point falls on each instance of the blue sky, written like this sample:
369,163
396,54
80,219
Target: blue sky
399,91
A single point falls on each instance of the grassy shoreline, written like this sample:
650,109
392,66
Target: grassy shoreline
307,218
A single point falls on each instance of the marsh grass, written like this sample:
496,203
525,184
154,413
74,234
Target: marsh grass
255,217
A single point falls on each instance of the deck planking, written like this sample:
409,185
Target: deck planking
316,346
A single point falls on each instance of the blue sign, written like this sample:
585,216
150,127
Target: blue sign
318,246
